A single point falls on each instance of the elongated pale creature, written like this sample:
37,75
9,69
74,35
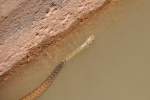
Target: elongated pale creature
48,82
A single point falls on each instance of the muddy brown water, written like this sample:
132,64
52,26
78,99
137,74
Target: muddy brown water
116,66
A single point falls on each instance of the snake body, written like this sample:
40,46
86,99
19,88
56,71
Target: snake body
33,95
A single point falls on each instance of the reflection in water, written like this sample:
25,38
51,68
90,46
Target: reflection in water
116,67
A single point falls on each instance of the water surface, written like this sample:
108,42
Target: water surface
116,66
